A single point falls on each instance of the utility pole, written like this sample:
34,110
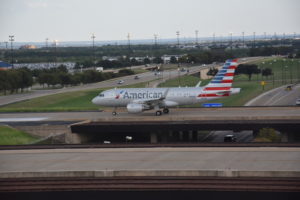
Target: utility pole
6,43
155,41
47,43
243,33
55,52
93,39
177,33
11,39
129,49
196,32
230,41
128,38
253,39
214,36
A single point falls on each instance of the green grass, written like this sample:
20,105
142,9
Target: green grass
69,101
10,136
81,100
185,80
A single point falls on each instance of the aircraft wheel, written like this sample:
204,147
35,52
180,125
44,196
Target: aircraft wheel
114,113
158,113
166,110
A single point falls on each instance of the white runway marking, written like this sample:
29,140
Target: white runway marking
30,119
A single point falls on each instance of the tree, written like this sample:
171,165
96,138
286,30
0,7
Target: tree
267,135
212,71
247,69
173,60
147,61
158,60
266,72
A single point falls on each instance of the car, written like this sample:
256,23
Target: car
288,88
298,102
229,138
120,82
136,77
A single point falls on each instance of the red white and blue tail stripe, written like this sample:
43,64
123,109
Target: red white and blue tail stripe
220,85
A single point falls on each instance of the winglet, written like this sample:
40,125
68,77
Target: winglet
165,94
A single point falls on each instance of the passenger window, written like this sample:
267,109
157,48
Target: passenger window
101,95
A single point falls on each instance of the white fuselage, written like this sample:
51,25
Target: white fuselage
173,96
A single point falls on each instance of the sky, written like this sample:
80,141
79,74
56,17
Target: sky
77,20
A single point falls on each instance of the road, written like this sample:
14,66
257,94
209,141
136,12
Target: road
277,97
180,113
150,159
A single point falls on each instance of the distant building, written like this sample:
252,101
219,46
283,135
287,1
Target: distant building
5,66
28,46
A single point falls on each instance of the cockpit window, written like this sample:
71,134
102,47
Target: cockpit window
101,95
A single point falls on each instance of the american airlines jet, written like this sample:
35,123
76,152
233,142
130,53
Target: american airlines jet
140,99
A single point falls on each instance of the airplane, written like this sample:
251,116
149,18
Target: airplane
137,100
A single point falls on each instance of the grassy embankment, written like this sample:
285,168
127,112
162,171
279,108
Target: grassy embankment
11,136
69,101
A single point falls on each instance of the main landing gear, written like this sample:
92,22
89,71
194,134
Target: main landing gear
114,112
165,111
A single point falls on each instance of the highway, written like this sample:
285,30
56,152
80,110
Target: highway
256,159
136,159
277,97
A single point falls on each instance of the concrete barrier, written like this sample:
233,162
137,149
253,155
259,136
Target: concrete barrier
149,173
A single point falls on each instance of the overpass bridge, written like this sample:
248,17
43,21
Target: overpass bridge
185,124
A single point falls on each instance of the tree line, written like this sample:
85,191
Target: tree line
16,80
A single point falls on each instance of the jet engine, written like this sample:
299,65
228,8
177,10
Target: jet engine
136,108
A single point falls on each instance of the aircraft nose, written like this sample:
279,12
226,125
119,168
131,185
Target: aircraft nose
94,100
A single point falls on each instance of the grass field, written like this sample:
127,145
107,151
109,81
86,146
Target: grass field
10,136
69,101
285,72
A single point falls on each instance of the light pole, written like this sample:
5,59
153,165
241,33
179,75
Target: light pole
155,41
230,34
253,39
196,33
178,74
243,33
129,50
298,71
177,33
274,61
55,52
128,38
291,71
93,39
285,71
11,39
282,63
47,43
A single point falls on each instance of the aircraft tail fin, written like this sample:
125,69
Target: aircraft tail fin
224,77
